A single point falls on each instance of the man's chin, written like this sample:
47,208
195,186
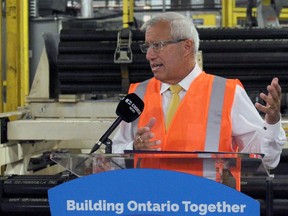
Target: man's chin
159,78
156,75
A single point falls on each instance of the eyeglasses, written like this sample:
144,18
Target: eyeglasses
157,46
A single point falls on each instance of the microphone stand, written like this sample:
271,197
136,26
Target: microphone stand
108,150
108,143
105,138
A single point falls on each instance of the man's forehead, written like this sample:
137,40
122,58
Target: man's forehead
158,32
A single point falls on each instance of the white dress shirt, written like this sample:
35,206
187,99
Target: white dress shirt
249,130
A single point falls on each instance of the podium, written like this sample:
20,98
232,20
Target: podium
137,177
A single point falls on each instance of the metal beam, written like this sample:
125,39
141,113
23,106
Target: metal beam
1,66
17,72
228,7
128,12
24,50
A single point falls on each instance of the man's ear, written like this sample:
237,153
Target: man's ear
189,46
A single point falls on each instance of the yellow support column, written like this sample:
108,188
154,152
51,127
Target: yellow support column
224,13
231,6
228,13
125,13
128,12
24,50
131,11
17,53
11,56
1,66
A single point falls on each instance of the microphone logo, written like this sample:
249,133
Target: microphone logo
130,107
128,101
133,107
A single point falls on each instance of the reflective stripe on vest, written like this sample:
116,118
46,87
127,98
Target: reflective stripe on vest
214,121
214,125
140,91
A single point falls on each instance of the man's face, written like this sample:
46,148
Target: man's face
166,62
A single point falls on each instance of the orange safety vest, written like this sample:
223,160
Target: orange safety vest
202,121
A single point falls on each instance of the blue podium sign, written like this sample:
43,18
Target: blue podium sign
140,192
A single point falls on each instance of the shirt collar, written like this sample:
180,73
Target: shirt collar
186,82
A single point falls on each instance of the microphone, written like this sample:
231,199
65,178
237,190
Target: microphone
128,110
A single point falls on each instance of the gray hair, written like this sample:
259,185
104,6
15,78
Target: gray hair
181,27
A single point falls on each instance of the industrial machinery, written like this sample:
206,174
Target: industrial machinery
268,12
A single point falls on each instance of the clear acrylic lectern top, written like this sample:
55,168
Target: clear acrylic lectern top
219,166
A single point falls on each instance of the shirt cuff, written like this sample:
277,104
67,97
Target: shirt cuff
272,130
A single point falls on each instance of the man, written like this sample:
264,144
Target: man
215,114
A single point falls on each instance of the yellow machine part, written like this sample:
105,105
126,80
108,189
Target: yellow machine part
17,54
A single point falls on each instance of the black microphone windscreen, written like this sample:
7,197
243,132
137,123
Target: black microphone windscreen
130,107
